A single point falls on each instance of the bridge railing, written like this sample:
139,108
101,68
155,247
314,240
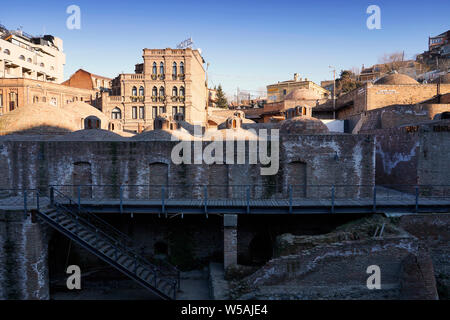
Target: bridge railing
377,193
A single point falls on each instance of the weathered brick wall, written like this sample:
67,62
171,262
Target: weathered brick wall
23,257
433,231
329,159
338,271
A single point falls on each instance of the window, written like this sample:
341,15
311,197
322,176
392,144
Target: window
134,91
154,112
42,64
154,91
22,57
141,91
141,112
182,110
182,91
35,99
154,68
174,69
161,68
29,60
116,113
161,92
1,99
12,101
181,67
6,51
134,112
284,91
162,110
174,91
174,110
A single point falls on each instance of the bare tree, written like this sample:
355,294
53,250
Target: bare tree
392,61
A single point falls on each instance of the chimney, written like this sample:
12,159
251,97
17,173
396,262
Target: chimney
295,76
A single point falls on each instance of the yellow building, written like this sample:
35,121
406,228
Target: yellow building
277,92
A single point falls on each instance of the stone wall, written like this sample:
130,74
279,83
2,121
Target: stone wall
23,257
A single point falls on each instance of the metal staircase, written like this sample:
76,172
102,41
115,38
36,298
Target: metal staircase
109,244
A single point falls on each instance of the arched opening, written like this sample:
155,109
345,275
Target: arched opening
161,248
92,122
141,91
161,68
158,179
174,70
82,179
134,91
297,179
116,113
161,92
181,67
182,92
154,92
174,91
260,249
154,68
445,115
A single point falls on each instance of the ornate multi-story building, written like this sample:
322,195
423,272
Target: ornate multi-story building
169,81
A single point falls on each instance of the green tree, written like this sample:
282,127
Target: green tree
221,100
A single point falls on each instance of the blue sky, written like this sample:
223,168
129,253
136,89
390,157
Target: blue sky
248,44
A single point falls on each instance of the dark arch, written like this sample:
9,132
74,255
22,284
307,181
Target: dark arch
161,247
92,122
260,249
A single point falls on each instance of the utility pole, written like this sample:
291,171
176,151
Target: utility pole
334,91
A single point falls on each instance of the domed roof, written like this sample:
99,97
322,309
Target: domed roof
443,79
396,79
302,94
163,135
303,125
39,118
90,135
81,110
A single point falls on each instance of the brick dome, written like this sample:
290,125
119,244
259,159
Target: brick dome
38,118
303,125
396,79
302,94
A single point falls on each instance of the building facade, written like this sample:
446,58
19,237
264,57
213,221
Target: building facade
169,81
277,92
25,56
17,92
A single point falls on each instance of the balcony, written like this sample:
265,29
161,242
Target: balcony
137,98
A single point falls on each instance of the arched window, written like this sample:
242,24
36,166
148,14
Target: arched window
42,64
161,68
174,69
161,91
182,91
174,91
154,91
116,113
141,91
22,57
154,68
134,92
6,51
29,60
182,67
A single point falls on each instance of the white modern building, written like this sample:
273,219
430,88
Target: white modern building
25,56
